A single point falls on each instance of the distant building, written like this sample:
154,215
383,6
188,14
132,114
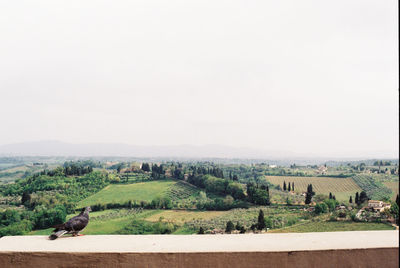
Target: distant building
378,205
272,166
322,170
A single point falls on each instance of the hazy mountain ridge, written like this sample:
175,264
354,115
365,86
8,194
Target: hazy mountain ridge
58,148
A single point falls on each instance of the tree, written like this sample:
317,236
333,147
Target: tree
119,167
293,186
308,198
201,230
357,199
310,190
330,195
261,220
26,198
363,197
289,189
321,208
309,194
284,185
334,197
351,200
229,227
146,167
397,200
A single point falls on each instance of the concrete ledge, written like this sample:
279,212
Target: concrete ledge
335,249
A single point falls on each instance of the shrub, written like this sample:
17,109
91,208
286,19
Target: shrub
229,227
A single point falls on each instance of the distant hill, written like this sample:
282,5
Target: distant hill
58,148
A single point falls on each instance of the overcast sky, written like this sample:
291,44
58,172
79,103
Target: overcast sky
303,76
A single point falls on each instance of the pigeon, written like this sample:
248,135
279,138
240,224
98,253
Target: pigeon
73,226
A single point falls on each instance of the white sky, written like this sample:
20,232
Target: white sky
304,76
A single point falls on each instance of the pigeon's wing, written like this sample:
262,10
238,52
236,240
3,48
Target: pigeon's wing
76,223
58,227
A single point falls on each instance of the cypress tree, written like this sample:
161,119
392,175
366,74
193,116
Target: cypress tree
261,220
292,186
363,197
309,194
334,197
308,198
357,201
311,190
397,200
330,195
351,200
284,185
289,189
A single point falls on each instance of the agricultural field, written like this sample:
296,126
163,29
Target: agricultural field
120,193
281,197
134,177
278,216
181,194
373,186
9,174
394,186
182,216
342,188
333,226
15,172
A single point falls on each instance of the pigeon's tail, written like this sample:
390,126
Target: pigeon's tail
57,234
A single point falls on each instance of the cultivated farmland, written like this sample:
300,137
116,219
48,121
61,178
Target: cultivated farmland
394,186
179,192
121,193
182,216
333,226
342,188
374,188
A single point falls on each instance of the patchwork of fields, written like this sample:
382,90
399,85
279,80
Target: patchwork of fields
342,188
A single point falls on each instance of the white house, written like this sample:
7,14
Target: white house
378,205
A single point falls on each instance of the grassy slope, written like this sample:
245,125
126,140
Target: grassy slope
327,226
342,188
181,216
120,193
394,186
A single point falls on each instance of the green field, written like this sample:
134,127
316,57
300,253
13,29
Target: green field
342,188
374,186
180,193
120,193
182,216
334,226
394,186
